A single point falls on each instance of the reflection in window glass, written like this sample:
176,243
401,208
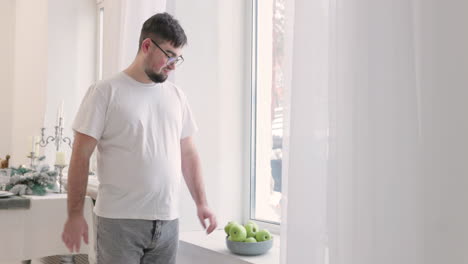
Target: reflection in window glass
268,111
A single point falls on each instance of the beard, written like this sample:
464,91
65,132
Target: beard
155,77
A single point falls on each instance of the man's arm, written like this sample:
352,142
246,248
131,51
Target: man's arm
83,147
191,170
76,226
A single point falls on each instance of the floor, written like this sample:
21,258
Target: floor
79,259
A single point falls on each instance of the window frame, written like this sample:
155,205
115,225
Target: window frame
273,227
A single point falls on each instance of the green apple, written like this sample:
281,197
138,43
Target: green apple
230,238
251,230
253,223
250,240
263,235
238,233
228,226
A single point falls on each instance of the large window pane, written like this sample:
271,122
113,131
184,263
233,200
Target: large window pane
268,110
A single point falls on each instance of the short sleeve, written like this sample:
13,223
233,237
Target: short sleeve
91,116
189,126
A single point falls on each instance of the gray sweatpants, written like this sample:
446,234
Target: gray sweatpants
133,241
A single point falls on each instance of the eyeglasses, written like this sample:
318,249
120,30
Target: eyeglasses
177,61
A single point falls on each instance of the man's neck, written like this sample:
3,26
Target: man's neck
137,74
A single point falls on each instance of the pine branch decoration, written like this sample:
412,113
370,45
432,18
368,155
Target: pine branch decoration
28,181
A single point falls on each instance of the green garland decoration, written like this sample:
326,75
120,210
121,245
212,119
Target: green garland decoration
28,181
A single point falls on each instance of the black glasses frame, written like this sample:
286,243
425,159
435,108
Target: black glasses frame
177,61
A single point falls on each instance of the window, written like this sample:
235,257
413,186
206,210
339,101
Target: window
267,110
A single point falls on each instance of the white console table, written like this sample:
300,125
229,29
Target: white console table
37,232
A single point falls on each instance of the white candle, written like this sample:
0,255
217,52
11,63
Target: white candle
60,158
60,112
58,116
37,139
31,140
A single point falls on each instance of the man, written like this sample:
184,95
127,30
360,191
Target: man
142,127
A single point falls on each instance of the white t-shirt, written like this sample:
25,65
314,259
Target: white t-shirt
138,127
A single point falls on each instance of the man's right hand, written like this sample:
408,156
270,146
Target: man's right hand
75,228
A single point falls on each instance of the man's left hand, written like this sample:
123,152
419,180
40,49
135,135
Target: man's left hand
203,213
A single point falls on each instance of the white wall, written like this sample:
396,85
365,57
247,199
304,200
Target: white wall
111,38
30,75
71,43
7,29
213,77
50,58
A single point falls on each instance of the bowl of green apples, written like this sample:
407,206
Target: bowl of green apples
247,239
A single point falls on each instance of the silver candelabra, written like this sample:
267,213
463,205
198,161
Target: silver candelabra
59,138
32,156
60,170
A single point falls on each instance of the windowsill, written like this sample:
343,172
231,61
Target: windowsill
216,243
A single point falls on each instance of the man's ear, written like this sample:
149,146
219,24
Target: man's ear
145,44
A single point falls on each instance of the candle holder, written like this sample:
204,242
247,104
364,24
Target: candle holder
60,168
58,139
32,156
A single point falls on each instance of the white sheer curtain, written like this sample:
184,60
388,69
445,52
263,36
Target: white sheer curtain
303,223
122,24
375,135
387,182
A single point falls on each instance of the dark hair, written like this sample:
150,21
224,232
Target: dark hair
163,27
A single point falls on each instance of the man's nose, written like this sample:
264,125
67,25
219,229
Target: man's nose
171,66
